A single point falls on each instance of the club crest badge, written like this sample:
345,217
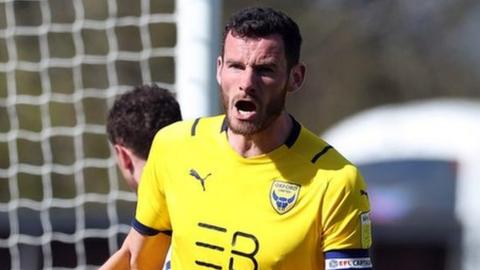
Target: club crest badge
283,196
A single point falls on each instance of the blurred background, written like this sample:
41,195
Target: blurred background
63,203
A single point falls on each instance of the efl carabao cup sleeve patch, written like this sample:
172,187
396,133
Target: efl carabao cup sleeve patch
366,229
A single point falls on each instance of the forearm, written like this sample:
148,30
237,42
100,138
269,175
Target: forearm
125,258
118,261
139,252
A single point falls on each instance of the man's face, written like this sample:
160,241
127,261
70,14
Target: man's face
254,80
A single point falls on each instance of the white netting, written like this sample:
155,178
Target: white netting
62,202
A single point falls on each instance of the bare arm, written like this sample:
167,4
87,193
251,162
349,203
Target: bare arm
139,252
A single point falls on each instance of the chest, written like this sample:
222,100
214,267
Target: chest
226,212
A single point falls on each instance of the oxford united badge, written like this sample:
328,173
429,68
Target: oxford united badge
283,196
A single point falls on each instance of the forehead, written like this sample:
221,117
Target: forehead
254,48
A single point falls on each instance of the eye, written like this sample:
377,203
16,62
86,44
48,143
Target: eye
265,70
235,66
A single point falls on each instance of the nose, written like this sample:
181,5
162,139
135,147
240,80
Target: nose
247,80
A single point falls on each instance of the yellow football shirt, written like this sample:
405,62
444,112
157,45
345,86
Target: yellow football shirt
281,210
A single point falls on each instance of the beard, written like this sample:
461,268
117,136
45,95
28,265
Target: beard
266,114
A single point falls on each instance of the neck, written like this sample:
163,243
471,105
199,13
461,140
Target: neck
264,141
138,165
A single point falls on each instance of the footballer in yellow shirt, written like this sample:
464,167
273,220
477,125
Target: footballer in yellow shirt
301,206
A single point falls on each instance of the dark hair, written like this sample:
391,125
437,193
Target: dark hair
256,22
137,115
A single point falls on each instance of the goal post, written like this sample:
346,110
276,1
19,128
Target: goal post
63,203
197,49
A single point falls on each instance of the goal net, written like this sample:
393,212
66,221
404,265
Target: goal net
63,204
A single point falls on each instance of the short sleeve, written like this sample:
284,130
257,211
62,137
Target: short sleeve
152,211
345,222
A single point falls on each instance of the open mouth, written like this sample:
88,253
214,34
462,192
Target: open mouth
245,106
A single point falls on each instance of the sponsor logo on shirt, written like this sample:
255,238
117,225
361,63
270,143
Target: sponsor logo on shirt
283,196
242,248
348,263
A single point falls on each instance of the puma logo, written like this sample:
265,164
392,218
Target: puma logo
197,176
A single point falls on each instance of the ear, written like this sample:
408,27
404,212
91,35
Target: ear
297,76
124,158
219,69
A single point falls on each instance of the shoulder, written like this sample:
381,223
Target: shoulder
207,126
318,152
327,161
189,128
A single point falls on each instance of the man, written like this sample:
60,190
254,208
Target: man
134,119
253,189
